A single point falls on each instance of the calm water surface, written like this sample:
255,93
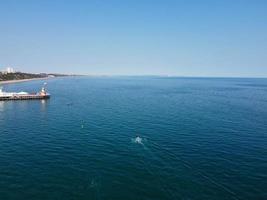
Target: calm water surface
136,138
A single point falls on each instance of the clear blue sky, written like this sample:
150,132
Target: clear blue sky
135,37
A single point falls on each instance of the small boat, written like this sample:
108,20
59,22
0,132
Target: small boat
4,96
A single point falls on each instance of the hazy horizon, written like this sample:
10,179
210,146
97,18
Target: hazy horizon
141,38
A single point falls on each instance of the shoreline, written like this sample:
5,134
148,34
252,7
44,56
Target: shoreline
22,80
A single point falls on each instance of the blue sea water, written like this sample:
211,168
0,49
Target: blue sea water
136,138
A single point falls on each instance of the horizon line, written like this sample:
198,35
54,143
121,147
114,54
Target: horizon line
158,75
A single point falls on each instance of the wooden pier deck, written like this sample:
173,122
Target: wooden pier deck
28,97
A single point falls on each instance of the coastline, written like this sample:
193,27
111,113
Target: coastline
22,80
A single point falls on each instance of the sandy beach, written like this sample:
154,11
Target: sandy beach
22,80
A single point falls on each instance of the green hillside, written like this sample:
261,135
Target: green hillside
19,76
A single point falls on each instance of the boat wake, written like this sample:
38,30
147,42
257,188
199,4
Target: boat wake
186,164
197,171
148,166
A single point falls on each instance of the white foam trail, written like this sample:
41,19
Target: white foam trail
138,140
147,164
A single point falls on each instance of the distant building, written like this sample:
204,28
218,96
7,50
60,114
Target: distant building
8,70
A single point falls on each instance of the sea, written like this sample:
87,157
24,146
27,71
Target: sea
136,138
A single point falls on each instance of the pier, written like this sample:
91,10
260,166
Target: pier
5,96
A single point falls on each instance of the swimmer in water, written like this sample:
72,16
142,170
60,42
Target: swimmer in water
138,140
